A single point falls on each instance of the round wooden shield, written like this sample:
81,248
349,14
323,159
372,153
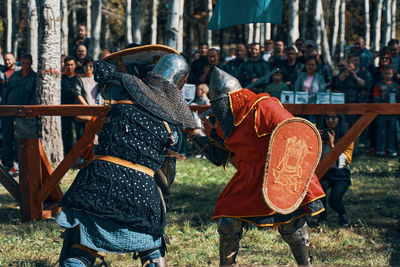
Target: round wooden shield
293,154
145,54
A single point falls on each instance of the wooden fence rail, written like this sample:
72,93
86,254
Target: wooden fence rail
38,181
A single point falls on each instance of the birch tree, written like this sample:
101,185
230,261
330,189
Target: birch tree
128,22
33,33
9,26
49,76
257,34
15,26
172,33
154,22
342,28
394,9
267,31
293,22
325,41
387,26
64,27
317,24
305,18
96,29
367,24
179,46
377,24
335,30
209,15
89,17
250,38
136,21
262,32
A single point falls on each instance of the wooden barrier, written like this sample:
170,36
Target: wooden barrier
38,181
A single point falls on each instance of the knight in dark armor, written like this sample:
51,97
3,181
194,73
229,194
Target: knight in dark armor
246,121
114,203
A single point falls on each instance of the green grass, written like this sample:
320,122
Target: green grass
373,207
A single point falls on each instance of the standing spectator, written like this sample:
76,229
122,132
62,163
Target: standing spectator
279,54
291,67
86,91
323,68
385,91
213,60
81,39
69,82
309,46
201,95
394,49
81,54
1,56
20,90
364,53
301,50
335,79
254,68
310,81
6,71
377,72
197,66
233,66
337,179
268,47
277,86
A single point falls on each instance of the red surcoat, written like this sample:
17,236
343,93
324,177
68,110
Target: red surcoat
255,117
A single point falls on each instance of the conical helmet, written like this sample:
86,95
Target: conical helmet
221,84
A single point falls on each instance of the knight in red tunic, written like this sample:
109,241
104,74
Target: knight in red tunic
246,121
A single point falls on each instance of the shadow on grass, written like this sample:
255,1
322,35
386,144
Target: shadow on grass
39,263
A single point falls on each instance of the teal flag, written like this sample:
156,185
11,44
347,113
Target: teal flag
233,12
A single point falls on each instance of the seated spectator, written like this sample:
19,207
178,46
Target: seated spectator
310,81
386,91
254,68
233,66
337,179
81,39
213,60
291,67
277,86
201,95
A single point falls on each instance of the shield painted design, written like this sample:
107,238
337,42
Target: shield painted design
293,154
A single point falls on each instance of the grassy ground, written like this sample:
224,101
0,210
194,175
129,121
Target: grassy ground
373,206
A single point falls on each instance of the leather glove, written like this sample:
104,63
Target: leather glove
105,72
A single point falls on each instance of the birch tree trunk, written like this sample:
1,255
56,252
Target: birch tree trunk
394,9
89,17
180,31
209,15
49,76
64,27
257,32
317,24
293,34
387,26
9,26
267,31
172,24
262,33
342,28
325,41
305,18
377,24
33,33
96,29
136,21
15,26
367,24
74,18
335,29
154,22
128,22
251,33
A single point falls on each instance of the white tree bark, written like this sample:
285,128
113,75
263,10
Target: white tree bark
96,29
251,33
367,24
49,76
387,26
317,24
9,26
342,28
154,22
64,27
89,17
180,32
262,33
137,21
335,30
294,33
15,26
267,31
172,24
305,18
257,33
128,22
394,9
209,15
325,41
377,24
33,33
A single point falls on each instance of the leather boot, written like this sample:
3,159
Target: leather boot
230,233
